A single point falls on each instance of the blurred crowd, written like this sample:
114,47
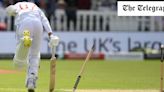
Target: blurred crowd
69,6
49,5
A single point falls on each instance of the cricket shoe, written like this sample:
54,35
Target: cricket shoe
26,38
31,84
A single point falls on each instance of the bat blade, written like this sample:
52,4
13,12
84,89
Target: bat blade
52,74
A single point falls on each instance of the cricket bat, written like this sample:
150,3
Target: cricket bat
82,68
52,71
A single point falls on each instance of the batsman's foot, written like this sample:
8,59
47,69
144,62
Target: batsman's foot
31,90
31,85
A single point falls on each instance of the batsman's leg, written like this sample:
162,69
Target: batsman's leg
33,66
32,73
34,58
22,50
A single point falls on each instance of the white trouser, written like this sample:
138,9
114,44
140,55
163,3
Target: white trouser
36,29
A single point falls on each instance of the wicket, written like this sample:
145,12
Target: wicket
162,59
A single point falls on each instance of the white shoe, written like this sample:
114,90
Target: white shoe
31,83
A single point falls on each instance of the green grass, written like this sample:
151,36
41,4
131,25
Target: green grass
97,75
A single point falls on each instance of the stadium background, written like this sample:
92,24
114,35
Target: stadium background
91,21
79,24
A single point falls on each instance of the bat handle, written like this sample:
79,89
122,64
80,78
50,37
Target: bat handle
76,83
